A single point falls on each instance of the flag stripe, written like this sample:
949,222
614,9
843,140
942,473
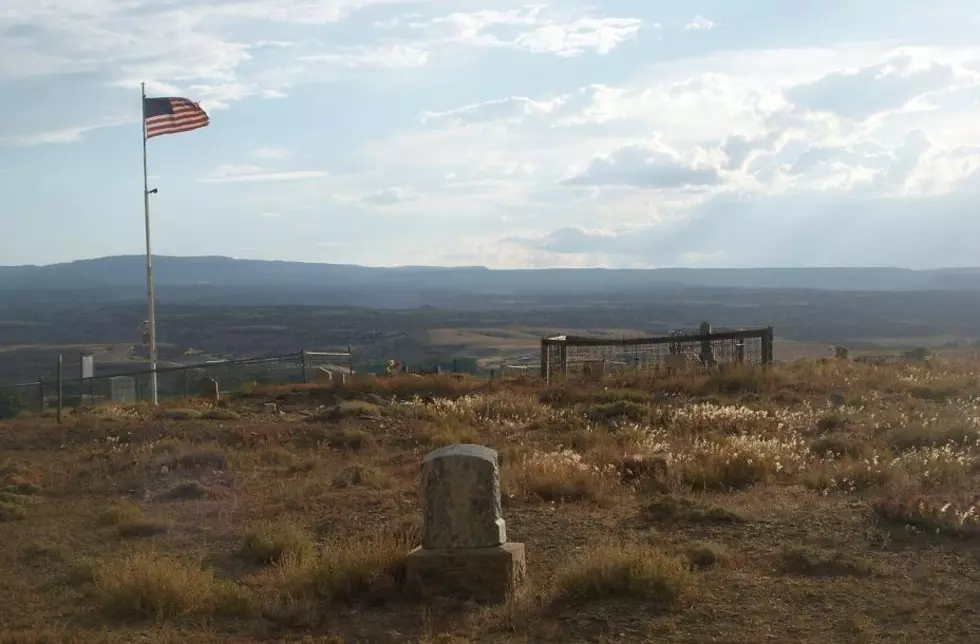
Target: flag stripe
172,115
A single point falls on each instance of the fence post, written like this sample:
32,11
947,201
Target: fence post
136,385
40,391
185,384
350,361
306,373
60,382
767,338
545,352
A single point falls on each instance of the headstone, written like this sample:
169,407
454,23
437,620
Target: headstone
270,408
122,389
207,388
464,551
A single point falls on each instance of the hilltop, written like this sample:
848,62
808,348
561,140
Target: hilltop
777,517
222,280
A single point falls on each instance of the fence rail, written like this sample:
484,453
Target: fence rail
175,381
561,354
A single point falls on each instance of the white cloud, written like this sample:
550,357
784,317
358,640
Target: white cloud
653,166
242,173
700,23
599,35
530,29
66,135
512,109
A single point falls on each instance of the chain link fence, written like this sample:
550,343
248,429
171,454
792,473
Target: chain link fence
561,355
172,382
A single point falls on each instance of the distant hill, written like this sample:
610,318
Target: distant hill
221,280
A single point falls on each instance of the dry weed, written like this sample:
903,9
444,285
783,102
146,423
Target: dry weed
160,587
272,542
559,477
625,570
349,569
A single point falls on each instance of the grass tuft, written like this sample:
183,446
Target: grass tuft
121,512
351,569
273,542
629,570
360,475
149,585
704,555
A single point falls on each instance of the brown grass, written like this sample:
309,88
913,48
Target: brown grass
273,542
734,498
146,585
556,479
361,475
349,569
629,570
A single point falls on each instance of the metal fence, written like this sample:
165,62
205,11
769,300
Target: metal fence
563,354
28,396
184,380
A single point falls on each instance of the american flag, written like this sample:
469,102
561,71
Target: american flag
172,115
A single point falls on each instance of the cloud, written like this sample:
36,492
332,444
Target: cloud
890,85
235,173
66,135
700,23
802,229
653,167
599,35
513,109
529,29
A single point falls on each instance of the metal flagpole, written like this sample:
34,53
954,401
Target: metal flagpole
149,261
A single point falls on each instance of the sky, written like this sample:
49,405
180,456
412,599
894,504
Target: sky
621,133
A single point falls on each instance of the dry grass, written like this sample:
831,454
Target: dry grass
629,570
361,475
703,555
147,585
737,499
348,569
558,477
275,541
121,512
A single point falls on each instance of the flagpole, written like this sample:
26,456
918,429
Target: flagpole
149,260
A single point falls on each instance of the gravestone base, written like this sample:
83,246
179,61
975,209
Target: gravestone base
487,575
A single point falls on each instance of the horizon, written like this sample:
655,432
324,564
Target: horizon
498,133
156,257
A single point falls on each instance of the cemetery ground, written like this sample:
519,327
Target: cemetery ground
732,506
